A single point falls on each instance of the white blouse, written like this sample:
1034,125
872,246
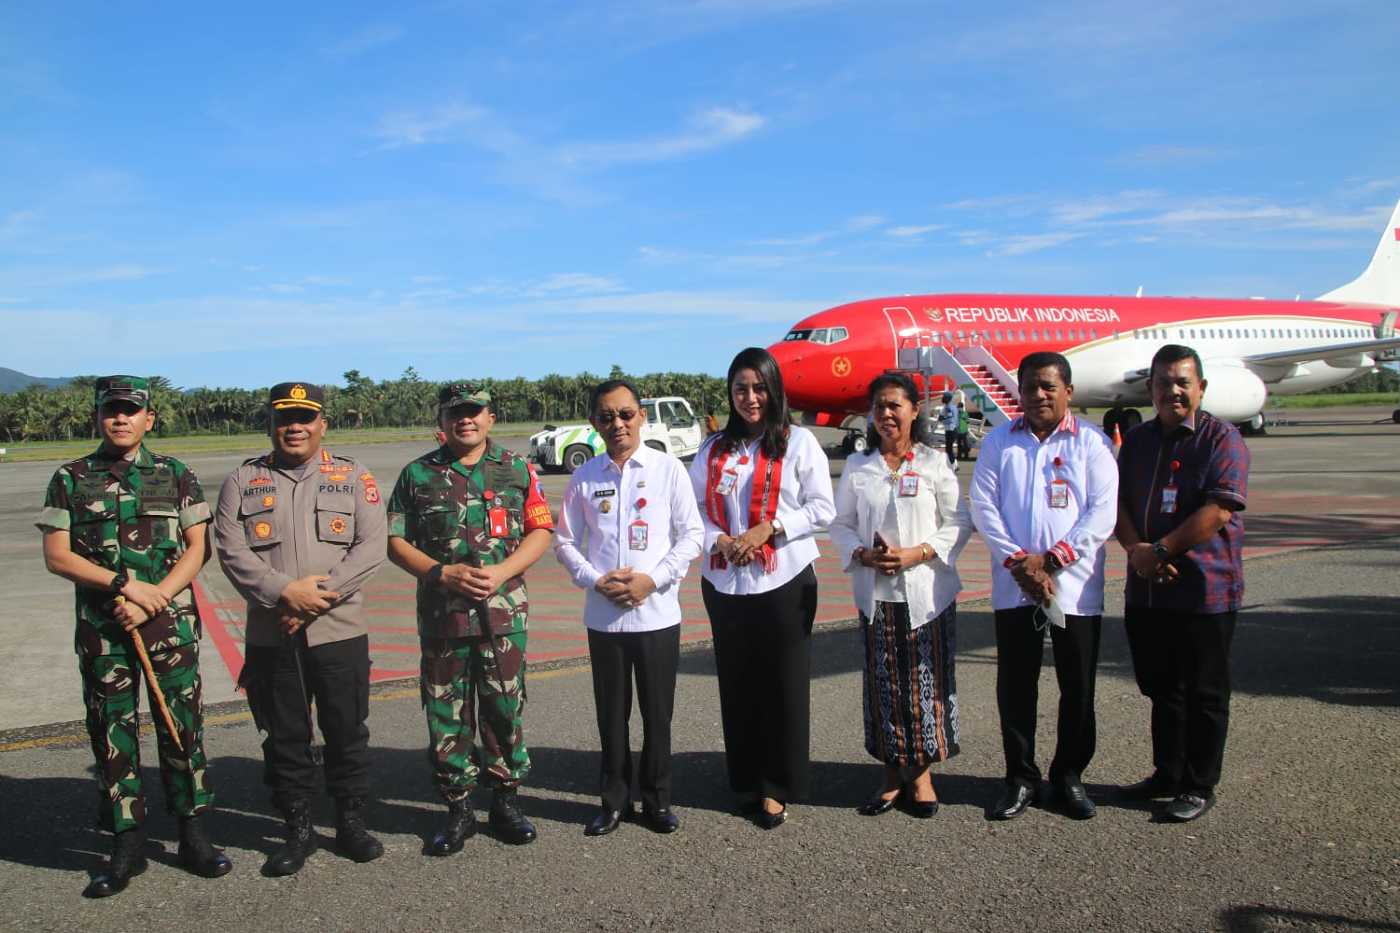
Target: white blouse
805,508
931,512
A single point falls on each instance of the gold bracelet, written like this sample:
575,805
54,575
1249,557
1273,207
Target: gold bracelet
926,551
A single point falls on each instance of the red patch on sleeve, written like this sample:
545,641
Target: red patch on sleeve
537,514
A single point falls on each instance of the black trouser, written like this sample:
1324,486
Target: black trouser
336,675
1019,650
950,445
652,657
1182,662
763,653
964,448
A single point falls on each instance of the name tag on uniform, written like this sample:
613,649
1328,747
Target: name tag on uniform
637,536
727,479
496,521
909,484
1168,500
1059,494
604,492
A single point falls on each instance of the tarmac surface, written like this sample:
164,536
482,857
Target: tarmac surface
1304,836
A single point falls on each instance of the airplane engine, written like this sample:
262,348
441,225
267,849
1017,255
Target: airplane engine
1233,393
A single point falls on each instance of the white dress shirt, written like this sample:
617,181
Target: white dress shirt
805,508
933,516
594,538
1012,498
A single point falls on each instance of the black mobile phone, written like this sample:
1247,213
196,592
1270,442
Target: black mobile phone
880,545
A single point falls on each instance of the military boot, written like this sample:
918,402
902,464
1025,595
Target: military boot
461,824
351,837
126,863
509,824
197,854
301,841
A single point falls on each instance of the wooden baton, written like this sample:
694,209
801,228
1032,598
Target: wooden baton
156,692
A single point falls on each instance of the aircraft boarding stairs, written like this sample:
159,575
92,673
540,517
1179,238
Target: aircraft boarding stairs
973,368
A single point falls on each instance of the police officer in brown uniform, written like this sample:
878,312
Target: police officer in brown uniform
299,531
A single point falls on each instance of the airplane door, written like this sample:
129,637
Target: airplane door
901,321
1386,328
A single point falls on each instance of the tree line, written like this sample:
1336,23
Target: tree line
46,414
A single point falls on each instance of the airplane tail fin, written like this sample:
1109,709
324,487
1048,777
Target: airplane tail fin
1380,283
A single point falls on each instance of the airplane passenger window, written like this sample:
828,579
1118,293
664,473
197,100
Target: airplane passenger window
1035,336
1093,334
997,334
985,336
960,335
1023,336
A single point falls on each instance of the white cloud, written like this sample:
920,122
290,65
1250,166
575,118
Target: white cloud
857,224
365,40
577,283
914,231
709,129
442,124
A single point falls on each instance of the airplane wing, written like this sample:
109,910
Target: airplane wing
1322,353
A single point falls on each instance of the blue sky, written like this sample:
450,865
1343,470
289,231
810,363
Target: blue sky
238,195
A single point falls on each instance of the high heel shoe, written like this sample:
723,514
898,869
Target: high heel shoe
879,803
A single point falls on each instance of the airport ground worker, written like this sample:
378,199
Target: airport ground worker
129,529
1044,496
299,531
1184,477
467,520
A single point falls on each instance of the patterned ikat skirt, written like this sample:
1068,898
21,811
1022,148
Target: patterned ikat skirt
911,695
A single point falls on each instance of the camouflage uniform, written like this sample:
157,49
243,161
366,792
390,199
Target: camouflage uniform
129,515
447,511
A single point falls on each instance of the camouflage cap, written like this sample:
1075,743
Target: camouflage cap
122,388
296,395
462,393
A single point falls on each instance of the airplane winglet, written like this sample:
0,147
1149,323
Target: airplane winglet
1380,283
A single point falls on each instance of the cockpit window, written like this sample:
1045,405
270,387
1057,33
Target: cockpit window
798,335
836,335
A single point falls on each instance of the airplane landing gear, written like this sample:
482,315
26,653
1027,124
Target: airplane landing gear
854,443
1125,419
1254,427
1395,416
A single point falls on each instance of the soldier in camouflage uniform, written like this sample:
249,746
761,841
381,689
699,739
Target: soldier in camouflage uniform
467,520
129,529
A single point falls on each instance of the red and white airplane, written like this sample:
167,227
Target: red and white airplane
1250,348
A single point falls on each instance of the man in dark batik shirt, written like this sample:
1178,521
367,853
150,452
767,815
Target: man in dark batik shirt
1182,484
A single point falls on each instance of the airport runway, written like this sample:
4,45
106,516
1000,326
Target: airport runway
1305,835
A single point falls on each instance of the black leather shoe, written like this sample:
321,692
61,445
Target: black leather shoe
461,825
772,820
605,822
878,803
509,823
301,841
1070,798
197,854
662,820
126,863
921,809
1153,787
351,837
1186,807
1014,802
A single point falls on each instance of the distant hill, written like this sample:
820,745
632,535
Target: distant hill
12,380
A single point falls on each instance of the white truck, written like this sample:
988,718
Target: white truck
671,426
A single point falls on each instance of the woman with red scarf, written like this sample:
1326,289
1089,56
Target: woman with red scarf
764,487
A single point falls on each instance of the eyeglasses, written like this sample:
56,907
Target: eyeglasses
625,415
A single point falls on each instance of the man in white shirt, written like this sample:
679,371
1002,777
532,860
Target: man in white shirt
1044,496
627,533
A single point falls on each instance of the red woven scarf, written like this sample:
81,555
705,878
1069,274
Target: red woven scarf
763,500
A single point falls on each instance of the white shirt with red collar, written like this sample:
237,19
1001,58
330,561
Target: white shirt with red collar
1061,495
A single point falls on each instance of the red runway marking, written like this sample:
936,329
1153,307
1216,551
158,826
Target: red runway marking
229,652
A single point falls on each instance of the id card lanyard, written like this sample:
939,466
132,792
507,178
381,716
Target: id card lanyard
1169,491
1059,487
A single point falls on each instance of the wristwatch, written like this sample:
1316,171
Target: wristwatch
119,582
1159,551
777,527
434,576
